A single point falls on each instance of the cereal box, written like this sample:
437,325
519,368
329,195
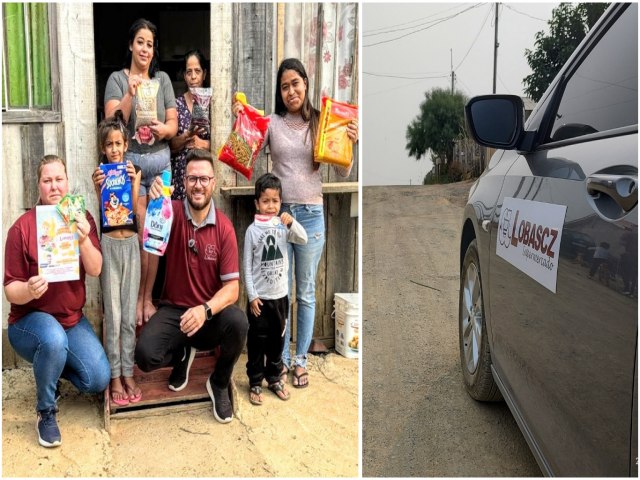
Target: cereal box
116,206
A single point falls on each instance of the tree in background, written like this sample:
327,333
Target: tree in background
439,124
569,24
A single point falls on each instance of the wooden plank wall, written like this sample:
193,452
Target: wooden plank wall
73,139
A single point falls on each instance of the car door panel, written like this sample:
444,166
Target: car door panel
568,358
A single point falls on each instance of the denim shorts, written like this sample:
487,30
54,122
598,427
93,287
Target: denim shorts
151,164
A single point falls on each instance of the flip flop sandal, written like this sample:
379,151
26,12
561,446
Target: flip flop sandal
256,391
121,402
298,377
132,397
278,389
283,374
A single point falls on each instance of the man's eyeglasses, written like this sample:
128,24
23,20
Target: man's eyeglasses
204,180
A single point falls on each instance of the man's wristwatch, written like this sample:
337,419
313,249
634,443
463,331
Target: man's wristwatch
207,312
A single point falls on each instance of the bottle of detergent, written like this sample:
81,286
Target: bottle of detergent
157,224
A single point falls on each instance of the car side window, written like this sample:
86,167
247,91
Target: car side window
602,93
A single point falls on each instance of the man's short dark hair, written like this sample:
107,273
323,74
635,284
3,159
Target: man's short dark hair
198,154
268,180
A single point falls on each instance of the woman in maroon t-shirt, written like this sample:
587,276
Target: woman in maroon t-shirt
46,323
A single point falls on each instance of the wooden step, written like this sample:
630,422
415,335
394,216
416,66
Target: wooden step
155,390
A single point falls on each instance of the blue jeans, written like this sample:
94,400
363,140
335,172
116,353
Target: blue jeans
304,259
75,354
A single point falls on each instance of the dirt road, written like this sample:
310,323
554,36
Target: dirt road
417,417
314,434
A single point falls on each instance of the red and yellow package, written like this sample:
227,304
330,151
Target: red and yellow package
332,143
245,141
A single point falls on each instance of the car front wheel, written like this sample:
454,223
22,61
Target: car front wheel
475,355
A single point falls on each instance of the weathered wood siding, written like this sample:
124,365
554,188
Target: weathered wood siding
74,139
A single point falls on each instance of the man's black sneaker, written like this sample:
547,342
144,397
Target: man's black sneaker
47,428
180,374
222,409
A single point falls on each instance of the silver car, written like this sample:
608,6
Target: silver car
549,255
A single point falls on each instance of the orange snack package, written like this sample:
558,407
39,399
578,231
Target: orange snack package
332,143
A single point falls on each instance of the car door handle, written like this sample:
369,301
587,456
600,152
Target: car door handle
623,189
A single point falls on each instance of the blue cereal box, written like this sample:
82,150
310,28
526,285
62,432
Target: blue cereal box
116,207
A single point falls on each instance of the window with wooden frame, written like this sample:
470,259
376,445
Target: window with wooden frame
30,78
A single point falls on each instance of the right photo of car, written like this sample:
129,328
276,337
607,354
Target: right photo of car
548,292
546,253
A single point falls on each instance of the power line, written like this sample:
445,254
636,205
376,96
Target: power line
407,78
425,28
391,89
522,13
476,38
393,28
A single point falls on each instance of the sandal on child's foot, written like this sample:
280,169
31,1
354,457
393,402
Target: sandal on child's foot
133,390
118,395
255,395
278,389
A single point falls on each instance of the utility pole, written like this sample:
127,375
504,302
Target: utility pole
452,73
495,51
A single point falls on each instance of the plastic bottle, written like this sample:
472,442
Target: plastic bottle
157,224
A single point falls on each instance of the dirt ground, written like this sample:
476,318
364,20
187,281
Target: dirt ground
417,417
314,434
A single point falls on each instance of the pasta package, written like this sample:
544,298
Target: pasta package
245,141
146,110
332,143
201,101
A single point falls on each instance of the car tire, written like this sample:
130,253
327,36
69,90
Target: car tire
475,354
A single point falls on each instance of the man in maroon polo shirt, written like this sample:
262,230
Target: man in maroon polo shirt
201,285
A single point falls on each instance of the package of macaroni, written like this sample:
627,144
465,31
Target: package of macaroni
245,141
70,206
200,113
116,204
332,143
146,110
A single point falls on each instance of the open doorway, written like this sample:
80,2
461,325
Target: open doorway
181,27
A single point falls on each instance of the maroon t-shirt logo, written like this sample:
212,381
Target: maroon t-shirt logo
210,253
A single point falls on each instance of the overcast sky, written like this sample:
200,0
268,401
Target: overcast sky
464,30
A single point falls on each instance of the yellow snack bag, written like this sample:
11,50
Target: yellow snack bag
332,143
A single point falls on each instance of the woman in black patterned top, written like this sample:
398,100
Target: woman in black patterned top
195,73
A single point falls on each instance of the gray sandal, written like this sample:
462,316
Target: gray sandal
278,389
257,390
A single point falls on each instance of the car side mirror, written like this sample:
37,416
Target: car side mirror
496,121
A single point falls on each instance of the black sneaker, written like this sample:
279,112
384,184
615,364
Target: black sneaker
47,428
180,374
222,409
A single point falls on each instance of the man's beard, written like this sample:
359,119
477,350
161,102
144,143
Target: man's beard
205,203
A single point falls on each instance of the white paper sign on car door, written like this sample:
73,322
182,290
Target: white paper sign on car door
529,235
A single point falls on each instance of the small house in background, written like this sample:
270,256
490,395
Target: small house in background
56,63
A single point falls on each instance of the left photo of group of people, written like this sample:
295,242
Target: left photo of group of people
180,236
